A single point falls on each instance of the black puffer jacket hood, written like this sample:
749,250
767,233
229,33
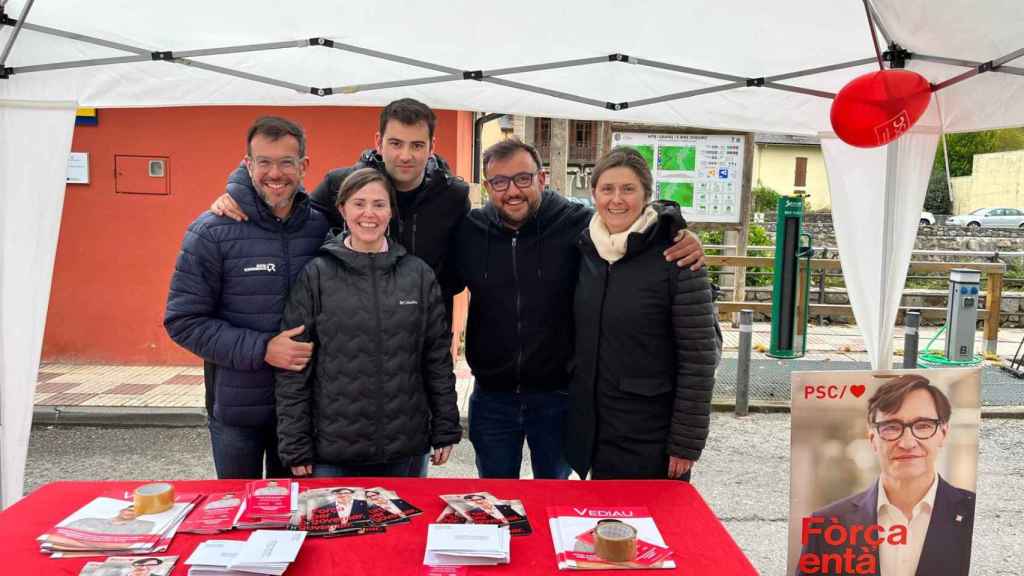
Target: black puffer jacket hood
381,385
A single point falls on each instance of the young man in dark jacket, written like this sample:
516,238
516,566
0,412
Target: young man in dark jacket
228,292
431,200
518,256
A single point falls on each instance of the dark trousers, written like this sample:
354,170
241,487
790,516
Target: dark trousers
500,421
412,467
242,452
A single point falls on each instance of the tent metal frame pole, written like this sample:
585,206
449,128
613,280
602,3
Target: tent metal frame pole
80,64
1019,71
878,22
800,90
354,88
819,70
491,76
242,48
546,92
393,58
86,39
547,66
245,75
686,94
685,69
992,65
14,34
874,36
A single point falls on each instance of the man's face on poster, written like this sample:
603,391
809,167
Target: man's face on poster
908,441
343,498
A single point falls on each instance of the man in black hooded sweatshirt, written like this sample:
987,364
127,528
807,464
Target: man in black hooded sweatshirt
519,259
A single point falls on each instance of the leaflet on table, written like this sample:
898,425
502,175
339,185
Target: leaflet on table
268,504
467,544
572,533
265,552
469,508
385,507
328,511
130,566
161,546
108,523
271,496
215,514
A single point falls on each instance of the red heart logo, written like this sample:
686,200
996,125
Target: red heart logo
857,390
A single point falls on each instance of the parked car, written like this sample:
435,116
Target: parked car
990,218
927,219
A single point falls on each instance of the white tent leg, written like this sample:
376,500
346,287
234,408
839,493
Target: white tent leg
32,172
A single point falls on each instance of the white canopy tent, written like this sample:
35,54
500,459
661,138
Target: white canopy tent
717,64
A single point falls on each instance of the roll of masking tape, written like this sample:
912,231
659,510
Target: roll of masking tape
153,498
615,541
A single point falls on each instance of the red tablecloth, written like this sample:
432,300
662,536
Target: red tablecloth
701,544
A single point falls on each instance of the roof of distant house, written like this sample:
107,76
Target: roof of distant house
791,139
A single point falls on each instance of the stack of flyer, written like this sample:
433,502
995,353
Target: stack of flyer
265,552
349,511
467,545
130,566
109,524
216,514
268,504
485,508
572,530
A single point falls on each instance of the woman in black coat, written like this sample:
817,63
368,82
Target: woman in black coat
379,392
647,340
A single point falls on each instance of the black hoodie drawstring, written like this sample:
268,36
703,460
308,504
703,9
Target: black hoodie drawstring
487,253
540,246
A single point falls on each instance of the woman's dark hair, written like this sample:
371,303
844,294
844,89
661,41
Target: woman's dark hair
358,180
624,156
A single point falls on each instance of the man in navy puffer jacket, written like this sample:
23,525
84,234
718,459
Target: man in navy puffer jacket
228,292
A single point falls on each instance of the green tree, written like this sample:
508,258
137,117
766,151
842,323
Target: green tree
765,199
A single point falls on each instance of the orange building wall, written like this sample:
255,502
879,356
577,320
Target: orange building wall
116,252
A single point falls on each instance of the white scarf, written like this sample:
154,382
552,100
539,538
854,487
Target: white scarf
612,247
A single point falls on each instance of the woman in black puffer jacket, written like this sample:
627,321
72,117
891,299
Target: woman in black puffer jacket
647,340
380,390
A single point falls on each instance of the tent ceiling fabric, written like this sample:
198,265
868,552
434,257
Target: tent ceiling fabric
724,36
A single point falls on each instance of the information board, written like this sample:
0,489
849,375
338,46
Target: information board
703,173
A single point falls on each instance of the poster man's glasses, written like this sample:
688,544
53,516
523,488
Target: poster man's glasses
922,428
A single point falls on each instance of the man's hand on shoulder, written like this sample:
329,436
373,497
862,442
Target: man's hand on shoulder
687,251
225,205
288,354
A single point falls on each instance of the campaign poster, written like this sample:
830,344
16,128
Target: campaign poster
883,471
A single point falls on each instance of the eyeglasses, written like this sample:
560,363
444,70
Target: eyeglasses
521,180
287,165
922,428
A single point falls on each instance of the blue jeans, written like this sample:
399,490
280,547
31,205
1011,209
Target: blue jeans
500,421
413,467
241,451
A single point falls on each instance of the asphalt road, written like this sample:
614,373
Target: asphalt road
744,477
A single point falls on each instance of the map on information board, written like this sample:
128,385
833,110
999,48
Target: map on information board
703,173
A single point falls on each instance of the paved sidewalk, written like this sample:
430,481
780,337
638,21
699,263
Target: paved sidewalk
112,391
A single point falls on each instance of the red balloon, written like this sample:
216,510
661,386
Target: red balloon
876,108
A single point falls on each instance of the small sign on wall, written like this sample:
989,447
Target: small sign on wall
78,168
